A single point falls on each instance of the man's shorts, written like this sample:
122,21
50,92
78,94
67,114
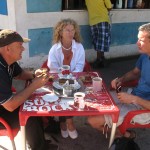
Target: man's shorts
124,109
101,36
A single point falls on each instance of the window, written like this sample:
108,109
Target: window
131,4
73,4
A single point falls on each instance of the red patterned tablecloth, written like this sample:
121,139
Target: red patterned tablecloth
95,103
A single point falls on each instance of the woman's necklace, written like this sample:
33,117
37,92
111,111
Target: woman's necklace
66,48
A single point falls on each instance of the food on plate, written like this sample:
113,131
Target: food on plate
51,78
63,81
44,70
41,72
86,78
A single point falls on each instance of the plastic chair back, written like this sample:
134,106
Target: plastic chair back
127,123
44,65
87,67
8,131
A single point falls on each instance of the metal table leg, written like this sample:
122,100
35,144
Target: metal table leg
112,136
23,136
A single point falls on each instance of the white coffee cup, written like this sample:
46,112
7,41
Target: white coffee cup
64,68
97,84
79,100
67,91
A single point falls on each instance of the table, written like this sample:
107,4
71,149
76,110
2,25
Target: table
96,103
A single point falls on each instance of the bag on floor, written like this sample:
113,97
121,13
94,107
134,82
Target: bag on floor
124,143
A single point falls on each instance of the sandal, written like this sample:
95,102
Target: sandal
132,134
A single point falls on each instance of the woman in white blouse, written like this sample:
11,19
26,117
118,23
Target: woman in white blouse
67,50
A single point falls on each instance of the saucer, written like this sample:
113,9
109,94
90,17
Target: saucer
59,86
66,76
50,97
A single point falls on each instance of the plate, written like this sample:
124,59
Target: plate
50,97
87,78
83,79
60,87
69,76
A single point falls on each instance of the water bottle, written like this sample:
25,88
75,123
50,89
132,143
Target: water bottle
130,4
119,4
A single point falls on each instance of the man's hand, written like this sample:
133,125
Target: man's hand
40,80
126,98
41,71
115,83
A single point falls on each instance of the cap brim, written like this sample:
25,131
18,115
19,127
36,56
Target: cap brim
25,40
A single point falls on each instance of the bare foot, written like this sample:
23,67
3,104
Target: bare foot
70,124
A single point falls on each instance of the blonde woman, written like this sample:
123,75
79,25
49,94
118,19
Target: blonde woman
67,50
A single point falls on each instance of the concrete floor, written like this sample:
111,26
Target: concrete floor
89,138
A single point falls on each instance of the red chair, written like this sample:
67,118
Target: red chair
87,67
127,123
8,131
44,65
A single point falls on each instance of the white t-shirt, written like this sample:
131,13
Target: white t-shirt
56,57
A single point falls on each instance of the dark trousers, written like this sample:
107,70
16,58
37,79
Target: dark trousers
34,128
63,118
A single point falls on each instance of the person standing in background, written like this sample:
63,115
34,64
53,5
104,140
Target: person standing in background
100,28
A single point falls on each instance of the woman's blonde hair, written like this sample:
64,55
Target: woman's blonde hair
61,25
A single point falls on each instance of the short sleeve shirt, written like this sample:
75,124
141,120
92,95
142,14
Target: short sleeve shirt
98,11
7,73
143,88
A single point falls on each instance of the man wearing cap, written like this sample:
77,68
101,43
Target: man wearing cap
11,48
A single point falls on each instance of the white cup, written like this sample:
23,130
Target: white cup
79,100
97,84
64,69
67,91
